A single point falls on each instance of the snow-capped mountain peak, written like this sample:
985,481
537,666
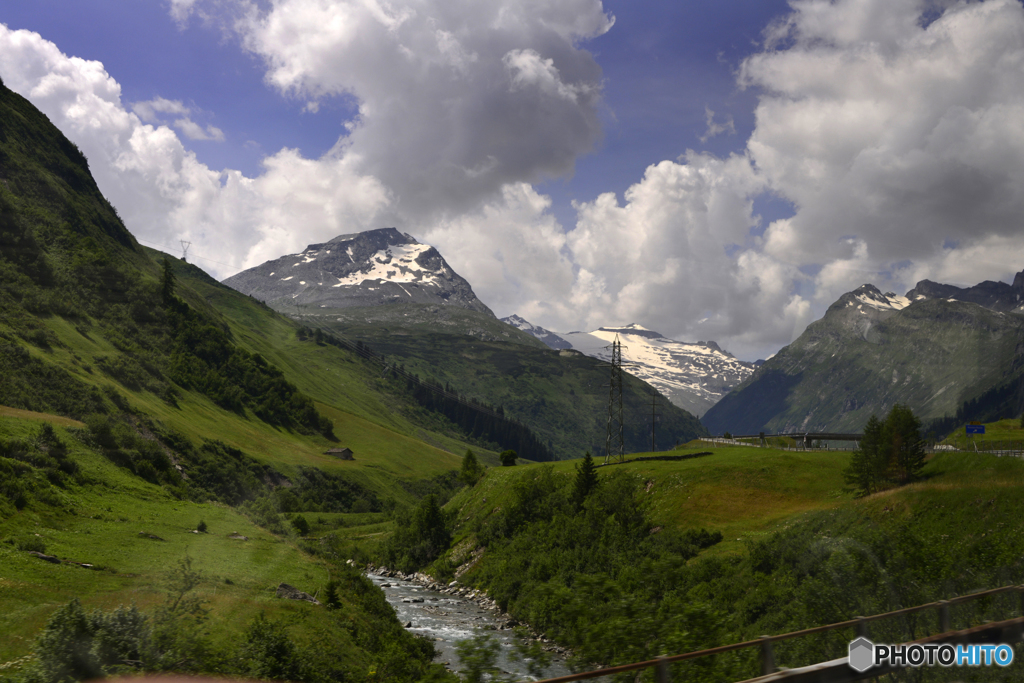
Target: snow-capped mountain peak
362,269
693,375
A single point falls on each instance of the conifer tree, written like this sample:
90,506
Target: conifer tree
167,283
903,438
471,468
866,470
890,452
586,480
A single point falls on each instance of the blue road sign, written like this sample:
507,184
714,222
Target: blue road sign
975,429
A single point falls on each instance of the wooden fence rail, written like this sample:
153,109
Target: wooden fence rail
835,671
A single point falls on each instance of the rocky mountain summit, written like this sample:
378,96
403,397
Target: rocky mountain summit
365,269
547,336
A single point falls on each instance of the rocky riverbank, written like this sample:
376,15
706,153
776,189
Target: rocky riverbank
502,620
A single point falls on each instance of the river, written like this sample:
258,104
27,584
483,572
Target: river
447,619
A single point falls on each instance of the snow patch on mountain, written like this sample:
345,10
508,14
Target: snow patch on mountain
371,268
395,263
692,375
875,299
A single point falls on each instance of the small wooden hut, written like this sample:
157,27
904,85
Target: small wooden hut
342,453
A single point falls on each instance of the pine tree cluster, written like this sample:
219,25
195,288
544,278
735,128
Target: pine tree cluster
891,453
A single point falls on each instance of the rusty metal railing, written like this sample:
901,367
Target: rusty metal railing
860,624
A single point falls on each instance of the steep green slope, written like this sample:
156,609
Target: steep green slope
349,389
561,395
932,355
109,539
418,318
190,414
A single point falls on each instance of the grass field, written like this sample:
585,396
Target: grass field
742,492
748,493
107,523
1003,430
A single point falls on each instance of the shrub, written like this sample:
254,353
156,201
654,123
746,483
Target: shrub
471,470
420,536
301,525
268,653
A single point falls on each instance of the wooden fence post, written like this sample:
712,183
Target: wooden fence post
767,656
661,672
862,628
943,616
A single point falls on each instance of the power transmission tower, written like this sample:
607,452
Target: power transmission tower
655,418
184,250
614,439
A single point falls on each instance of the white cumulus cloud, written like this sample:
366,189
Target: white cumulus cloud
899,134
895,128
163,192
457,98
152,111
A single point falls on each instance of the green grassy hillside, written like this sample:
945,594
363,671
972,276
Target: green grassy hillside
561,396
671,556
122,541
168,399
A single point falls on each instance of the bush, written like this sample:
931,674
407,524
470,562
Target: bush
32,544
267,653
420,536
301,525
508,458
471,470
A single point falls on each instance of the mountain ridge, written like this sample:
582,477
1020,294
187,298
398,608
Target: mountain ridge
934,349
368,268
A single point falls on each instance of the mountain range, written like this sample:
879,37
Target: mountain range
401,298
944,351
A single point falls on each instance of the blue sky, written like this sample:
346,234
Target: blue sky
711,170
663,65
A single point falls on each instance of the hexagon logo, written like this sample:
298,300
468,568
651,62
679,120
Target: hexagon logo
862,655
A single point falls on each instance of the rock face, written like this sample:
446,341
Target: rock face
995,296
933,350
547,336
292,593
364,269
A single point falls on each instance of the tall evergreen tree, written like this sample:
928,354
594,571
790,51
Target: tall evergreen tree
167,283
890,452
586,480
903,438
866,471
471,468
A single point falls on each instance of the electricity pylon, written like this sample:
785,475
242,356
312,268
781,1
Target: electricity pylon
614,442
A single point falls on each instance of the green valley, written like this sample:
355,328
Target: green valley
666,557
